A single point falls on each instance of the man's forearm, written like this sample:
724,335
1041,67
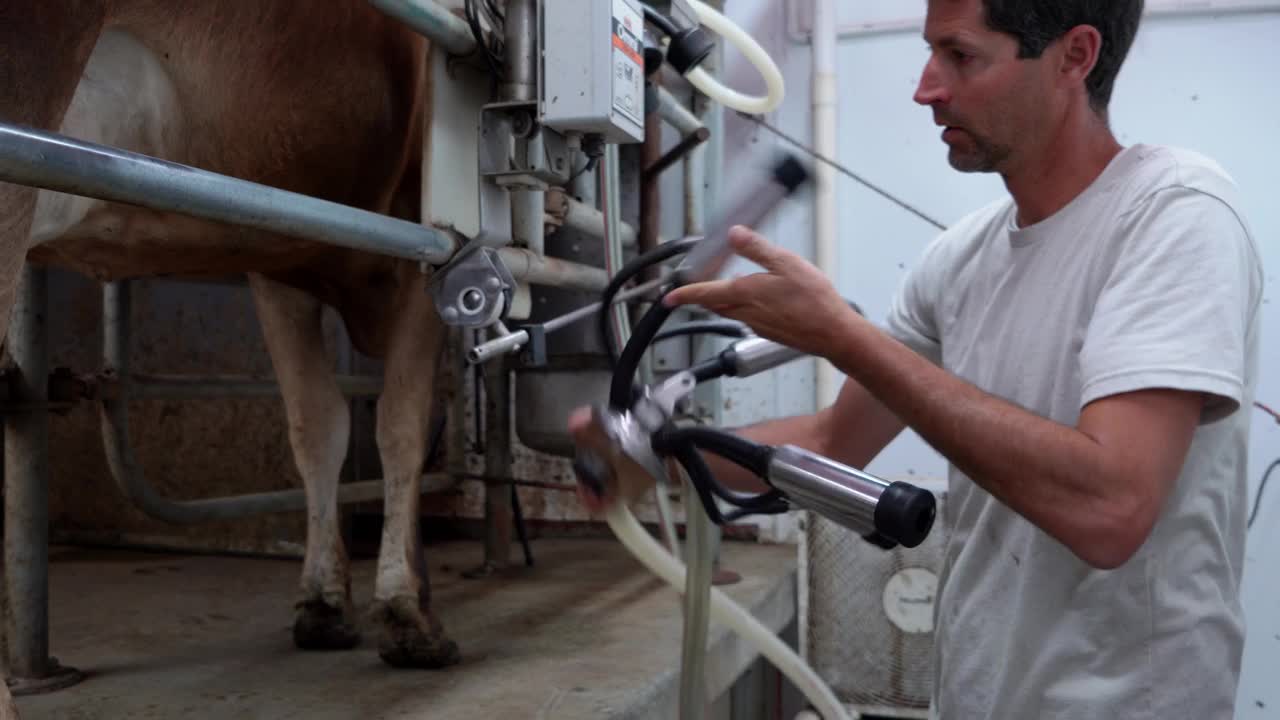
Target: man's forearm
852,431
1054,475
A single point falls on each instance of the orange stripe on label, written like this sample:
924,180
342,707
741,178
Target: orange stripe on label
628,50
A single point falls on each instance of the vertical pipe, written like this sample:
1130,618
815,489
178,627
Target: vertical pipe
527,211
700,549
521,66
519,83
26,486
702,191
824,135
650,187
498,517
456,422
611,205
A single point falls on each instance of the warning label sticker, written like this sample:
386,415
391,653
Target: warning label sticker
628,62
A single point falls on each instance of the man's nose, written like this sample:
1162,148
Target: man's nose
931,90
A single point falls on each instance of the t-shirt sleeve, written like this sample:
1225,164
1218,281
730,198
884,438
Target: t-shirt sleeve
1177,307
912,318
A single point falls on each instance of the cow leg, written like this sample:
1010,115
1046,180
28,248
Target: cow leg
319,425
412,636
36,86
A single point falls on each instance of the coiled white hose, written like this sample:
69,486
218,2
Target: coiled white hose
751,50
727,612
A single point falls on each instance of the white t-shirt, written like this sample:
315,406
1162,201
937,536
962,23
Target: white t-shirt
1149,278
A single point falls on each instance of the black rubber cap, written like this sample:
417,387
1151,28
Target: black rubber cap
652,60
905,513
688,49
790,173
593,472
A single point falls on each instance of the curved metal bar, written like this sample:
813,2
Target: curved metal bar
114,413
433,21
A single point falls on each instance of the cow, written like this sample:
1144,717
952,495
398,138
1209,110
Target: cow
325,99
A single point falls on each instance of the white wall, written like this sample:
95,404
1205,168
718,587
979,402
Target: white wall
1207,83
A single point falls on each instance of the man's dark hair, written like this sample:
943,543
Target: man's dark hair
1037,23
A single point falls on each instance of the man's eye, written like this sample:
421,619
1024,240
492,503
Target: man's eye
960,56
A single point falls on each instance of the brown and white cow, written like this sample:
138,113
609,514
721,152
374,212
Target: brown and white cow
325,99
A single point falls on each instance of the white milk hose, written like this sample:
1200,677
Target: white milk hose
751,50
726,612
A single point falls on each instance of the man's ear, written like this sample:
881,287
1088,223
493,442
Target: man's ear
1081,46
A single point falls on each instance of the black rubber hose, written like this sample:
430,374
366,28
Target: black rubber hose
738,450
662,22
624,373
662,253
723,328
700,478
751,455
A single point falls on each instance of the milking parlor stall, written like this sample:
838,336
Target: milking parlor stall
305,299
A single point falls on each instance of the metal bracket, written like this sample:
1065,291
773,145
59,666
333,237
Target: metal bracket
516,151
658,404
475,291
534,353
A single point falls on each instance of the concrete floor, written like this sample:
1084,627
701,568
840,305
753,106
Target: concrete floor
587,633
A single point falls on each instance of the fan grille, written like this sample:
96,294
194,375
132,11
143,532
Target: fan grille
870,613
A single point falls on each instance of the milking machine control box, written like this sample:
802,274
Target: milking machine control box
592,69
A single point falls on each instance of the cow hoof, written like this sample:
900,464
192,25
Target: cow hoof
412,638
320,626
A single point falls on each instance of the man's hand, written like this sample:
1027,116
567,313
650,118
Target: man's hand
792,302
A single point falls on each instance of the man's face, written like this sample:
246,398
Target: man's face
991,104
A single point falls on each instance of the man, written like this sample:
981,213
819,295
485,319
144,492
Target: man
1080,352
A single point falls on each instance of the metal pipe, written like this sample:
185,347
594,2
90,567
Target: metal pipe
56,162
650,189
516,340
26,486
676,114
542,270
528,211
675,154
458,344
114,413
701,192
699,552
520,83
432,21
498,512
825,105
583,218
611,204
695,179
521,25
182,387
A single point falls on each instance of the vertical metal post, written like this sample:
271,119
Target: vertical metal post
498,515
456,409
26,488
521,83
701,191
521,39
26,497
527,213
611,205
